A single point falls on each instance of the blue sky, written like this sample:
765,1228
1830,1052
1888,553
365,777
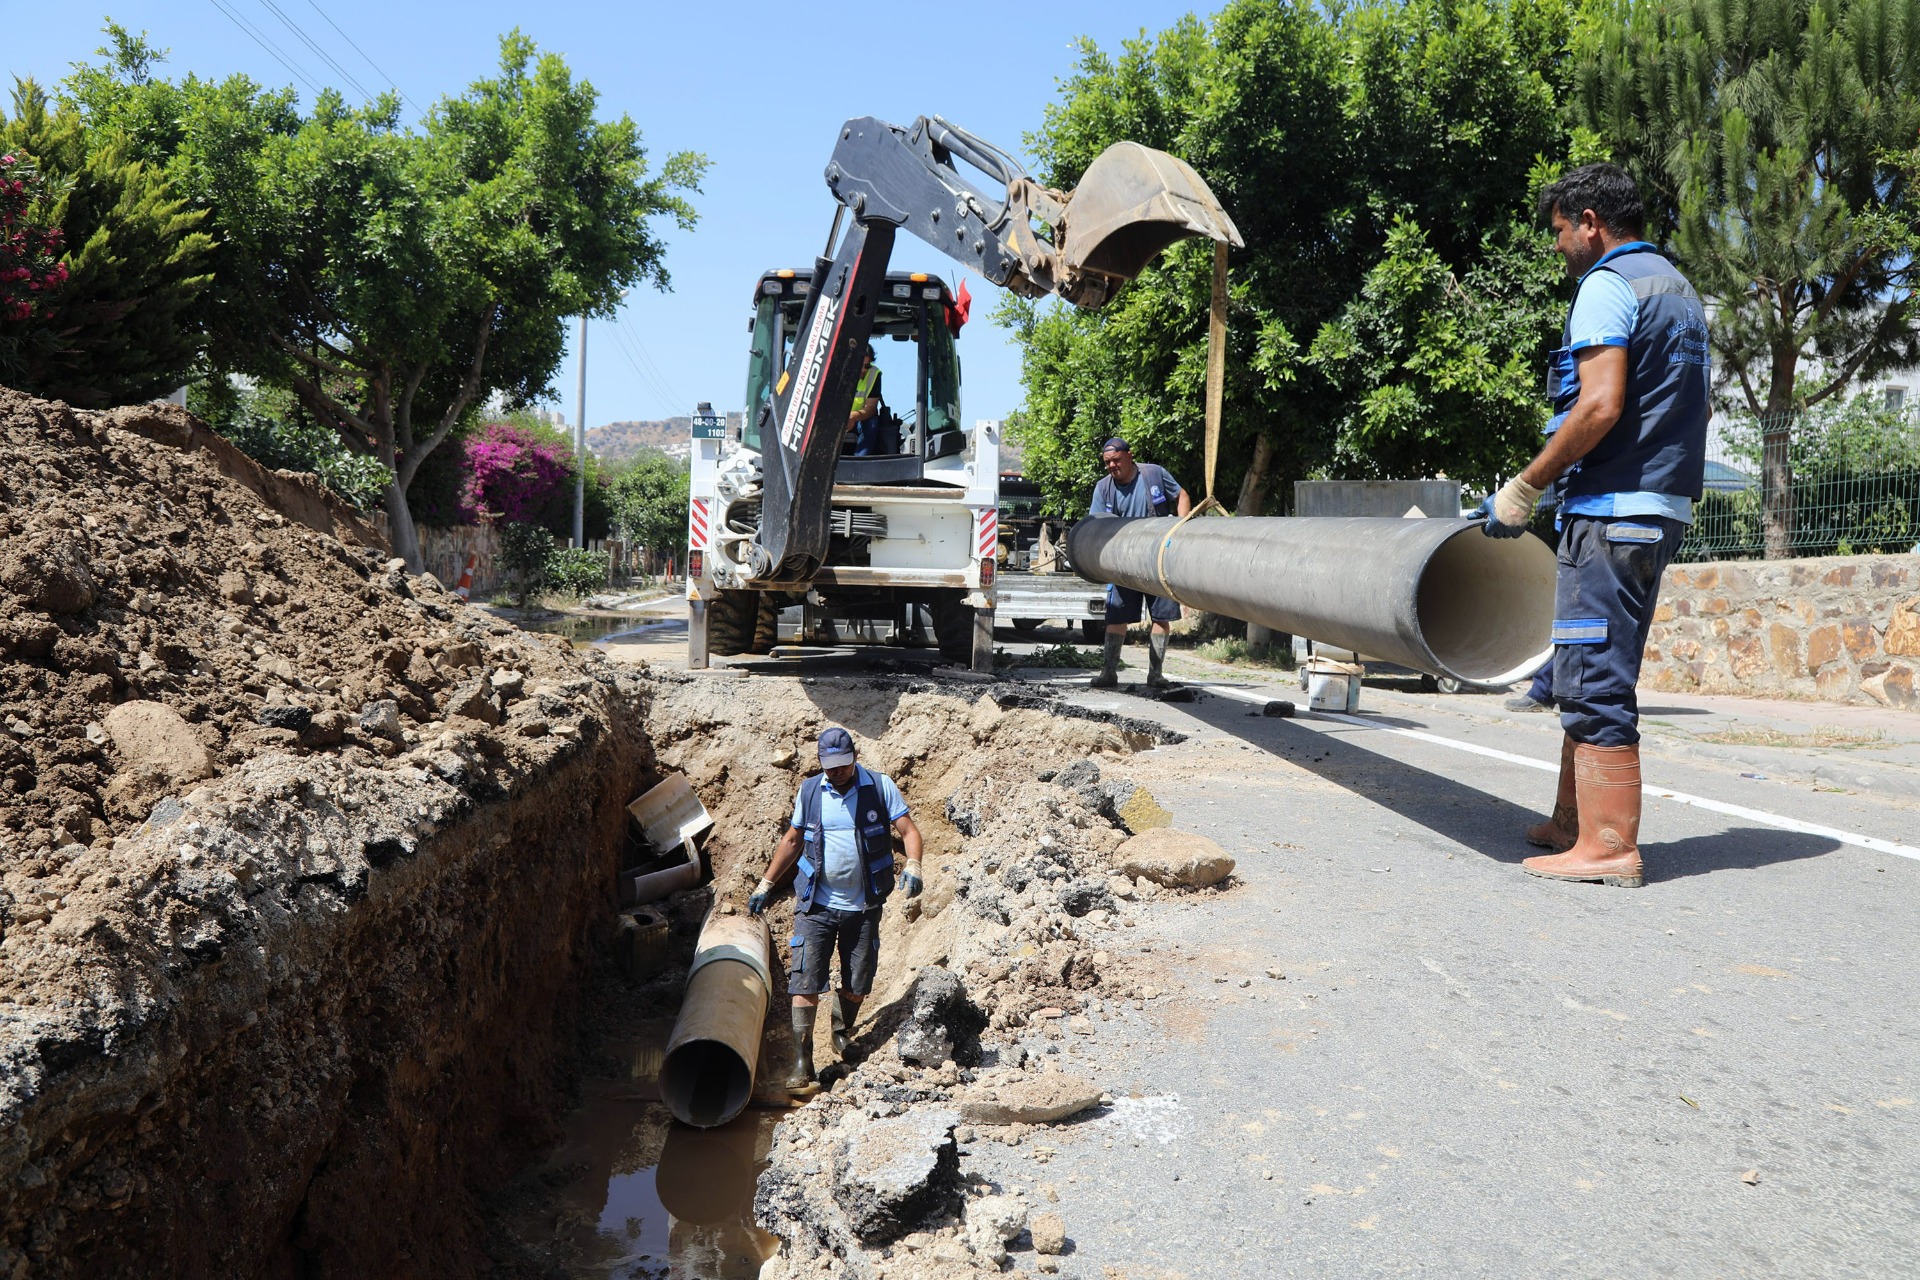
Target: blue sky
760,88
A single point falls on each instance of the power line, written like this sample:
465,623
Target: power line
272,49
641,346
648,380
363,54
322,54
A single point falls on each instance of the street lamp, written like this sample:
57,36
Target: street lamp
580,444
580,435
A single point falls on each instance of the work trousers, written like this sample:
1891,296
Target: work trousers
1609,581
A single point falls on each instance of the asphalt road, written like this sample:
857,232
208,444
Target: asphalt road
1466,1071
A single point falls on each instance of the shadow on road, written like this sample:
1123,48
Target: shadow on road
1475,819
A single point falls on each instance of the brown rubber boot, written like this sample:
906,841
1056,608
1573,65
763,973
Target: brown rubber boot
1607,785
1560,831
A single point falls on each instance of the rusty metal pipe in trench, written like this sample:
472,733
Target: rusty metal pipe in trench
706,1078
1435,595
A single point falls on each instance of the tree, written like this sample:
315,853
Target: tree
121,327
1440,374
1767,136
1376,160
395,280
30,266
650,504
1252,103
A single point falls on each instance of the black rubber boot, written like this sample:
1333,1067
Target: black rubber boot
801,1077
1156,654
843,1016
1110,664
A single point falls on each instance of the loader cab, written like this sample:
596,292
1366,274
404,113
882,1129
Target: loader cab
917,436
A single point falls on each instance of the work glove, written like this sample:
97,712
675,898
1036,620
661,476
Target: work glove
757,904
1506,513
910,880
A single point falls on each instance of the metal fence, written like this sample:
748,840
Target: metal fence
1853,487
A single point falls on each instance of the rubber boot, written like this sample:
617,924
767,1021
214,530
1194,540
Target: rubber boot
1559,832
1606,784
801,1077
843,1015
1156,654
1110,664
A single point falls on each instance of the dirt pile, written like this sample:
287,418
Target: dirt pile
300,859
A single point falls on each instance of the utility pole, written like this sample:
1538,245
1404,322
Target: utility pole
580,444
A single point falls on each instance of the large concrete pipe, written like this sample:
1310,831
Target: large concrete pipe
707,1076
1435,595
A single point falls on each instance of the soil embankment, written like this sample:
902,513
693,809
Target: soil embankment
301,864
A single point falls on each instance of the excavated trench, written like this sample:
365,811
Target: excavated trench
307,913
629,1193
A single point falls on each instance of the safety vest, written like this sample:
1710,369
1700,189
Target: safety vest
1659,445
864,391
872,832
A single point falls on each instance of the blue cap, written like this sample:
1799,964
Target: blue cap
1115,445
836,747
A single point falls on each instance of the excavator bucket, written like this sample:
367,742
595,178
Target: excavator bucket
1131,203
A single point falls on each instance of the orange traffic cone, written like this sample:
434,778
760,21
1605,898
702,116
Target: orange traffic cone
465,589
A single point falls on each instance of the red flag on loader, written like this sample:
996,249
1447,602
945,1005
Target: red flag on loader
957,309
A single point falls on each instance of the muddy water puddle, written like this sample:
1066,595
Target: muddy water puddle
586,629
632,1194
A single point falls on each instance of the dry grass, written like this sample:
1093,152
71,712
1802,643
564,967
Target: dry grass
1821,736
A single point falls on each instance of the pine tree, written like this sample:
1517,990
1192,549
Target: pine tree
1766,136
120,329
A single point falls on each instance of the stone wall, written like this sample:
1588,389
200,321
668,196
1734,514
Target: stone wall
444,553
1838,628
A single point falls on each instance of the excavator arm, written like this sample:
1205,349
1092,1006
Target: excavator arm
1131,203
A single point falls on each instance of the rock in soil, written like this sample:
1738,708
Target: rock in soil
944,1024
1049,1234
1174,858
991,1222
896,1173
1041,1099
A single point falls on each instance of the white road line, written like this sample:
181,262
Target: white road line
1680,797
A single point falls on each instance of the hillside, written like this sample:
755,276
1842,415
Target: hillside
620,441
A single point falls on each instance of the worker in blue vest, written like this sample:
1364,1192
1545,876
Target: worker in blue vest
1629,388
1135,491
841,838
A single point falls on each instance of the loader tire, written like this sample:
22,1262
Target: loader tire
766,622
953,628
1093,630
733,623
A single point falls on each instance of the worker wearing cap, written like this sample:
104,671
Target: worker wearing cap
1629,389
841,836
1136,490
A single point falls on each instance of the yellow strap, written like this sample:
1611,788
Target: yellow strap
1216,391
1209,503
1216,359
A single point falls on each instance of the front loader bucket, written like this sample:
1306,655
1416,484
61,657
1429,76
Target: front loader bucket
1131,203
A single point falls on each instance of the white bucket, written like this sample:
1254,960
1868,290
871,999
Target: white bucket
1333,686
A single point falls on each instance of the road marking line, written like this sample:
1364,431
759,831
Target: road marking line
1663,793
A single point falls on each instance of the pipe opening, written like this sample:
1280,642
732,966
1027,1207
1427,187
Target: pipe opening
705,1083
1486,604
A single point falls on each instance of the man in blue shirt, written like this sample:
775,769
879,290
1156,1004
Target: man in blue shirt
1628,438
1136,491
841,838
